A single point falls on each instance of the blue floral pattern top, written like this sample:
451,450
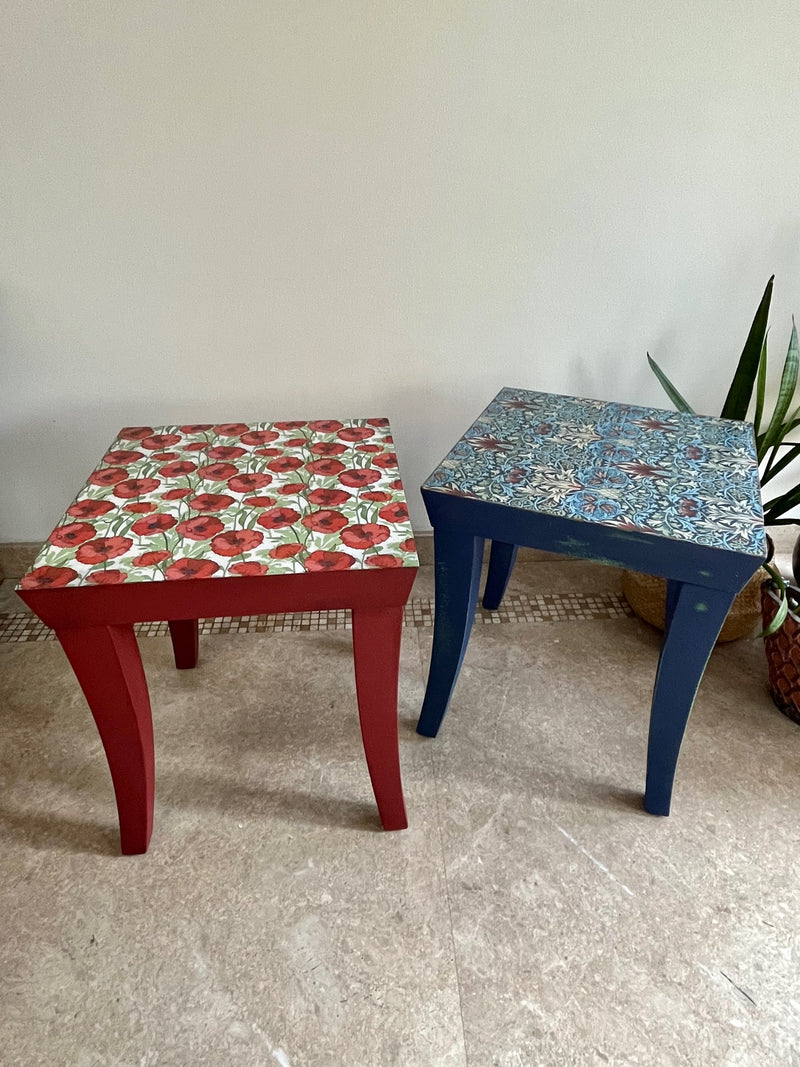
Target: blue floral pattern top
685,477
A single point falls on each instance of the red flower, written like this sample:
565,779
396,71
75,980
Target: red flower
326,467
284,464
292,488
140,507
164,456
328,561
160,440
368,448
210,502
375,494
396,484
178,470
108,476
153,524
107,577
226,452
119,455
135,487
288,425
328,498
248,569
176,494
325,425
259,501
278,518
198,529
89,509
73,534
394,512
191,568
195,446
259,437
150,559
325,521
47,577
134,433
236,542
384,561
268,451
246,483
364,535
103,548
355,433
231,429
409,545
377,422
285,551
388,459
196,427
217,472
328,448
360,477
296,442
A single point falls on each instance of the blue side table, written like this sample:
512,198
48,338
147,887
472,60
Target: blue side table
656,491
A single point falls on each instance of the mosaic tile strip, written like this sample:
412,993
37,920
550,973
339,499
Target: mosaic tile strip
640,470
418,614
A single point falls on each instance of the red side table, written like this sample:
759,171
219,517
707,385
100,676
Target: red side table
180,523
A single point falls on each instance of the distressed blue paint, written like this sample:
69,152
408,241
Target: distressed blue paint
658,491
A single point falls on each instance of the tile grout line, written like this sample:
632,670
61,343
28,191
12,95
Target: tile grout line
418,613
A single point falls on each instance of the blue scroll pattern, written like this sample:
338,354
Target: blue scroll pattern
688,477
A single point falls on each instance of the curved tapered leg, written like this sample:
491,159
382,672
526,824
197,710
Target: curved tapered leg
376,653
501,563
109,669
185,642
458,560
694,619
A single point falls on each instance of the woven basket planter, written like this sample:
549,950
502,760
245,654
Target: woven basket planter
647,596
783,654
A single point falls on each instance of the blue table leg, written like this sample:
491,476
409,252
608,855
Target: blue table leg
694,618
458,559
501,564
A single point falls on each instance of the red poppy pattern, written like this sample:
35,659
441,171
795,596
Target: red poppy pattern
334,502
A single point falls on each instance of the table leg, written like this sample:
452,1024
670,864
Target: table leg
109,669
458,560
376,653
501,563
185,642
694,619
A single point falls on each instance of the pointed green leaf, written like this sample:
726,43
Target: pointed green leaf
738,399
761,386
669,388
789,457
776,430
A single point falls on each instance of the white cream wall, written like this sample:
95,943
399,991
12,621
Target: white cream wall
228,210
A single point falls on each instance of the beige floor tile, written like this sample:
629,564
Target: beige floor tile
586,930
272,922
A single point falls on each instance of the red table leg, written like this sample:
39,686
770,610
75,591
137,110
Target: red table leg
185,642
376,652
109,669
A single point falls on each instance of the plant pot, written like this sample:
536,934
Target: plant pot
783,653
647,595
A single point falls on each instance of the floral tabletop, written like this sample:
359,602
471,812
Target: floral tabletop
686,477
232,499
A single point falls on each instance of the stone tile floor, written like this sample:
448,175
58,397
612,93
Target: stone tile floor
532,914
